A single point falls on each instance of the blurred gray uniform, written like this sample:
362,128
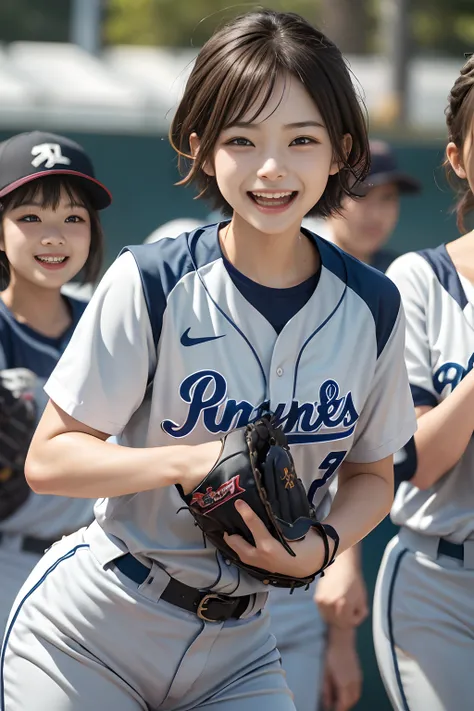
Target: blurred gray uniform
300,633
41,520
423,613
169,352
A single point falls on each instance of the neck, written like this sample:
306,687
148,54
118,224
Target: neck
337,237
45,310
276,260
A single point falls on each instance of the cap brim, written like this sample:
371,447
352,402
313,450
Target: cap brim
100,196
406,184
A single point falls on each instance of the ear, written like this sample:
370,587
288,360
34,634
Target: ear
346,149
454,155
195,144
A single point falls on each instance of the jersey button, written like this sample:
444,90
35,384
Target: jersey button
279,372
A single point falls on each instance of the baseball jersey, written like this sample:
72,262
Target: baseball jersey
170,352
439,307
22,347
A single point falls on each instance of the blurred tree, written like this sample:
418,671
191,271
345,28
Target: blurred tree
34,20
170,22
348,23
446,25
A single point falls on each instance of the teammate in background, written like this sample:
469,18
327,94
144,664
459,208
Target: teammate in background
423,612
49,231
364,226
185,339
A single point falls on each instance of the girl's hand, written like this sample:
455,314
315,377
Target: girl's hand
202,458
269,554
342,684
341,595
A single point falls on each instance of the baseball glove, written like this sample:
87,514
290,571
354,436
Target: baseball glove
17,425
255,465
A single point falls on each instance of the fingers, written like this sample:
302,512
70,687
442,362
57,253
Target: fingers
255,524
327,695
341,612
347,696
264,541
359,615
238,544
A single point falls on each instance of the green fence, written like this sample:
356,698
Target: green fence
141,172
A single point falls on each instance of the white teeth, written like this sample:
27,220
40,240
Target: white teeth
273,196
51,260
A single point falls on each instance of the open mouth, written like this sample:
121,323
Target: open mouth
273,200
51,261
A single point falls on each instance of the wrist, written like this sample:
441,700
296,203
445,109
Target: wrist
341,635
181,464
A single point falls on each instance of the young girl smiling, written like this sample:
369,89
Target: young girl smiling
191,337
49,232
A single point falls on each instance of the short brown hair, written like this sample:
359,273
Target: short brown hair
254,51
459,115
48,191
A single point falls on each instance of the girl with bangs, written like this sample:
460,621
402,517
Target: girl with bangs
49,232
185,340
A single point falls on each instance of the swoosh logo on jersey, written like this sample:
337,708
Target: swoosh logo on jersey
187,340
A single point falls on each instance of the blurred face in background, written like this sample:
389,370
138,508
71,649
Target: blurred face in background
366,224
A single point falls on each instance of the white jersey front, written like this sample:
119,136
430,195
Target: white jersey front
439,307
169,352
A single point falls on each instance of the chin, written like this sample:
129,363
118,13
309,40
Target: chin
274,224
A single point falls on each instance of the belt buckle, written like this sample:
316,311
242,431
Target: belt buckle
202,607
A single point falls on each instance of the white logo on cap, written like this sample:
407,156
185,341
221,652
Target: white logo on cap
49,154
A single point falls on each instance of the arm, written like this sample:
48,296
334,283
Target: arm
95,389
341,595
342,683
446,427
443,433
68,458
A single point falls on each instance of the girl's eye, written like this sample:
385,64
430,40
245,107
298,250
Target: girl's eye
29,218
239,142
302,141
74,219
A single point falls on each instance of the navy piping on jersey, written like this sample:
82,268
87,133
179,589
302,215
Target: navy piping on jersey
312,336
390,630
8,632
365,281
422,396
164,263
445,271
239,331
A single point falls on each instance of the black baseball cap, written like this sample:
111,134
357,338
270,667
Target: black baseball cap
384,170
28,156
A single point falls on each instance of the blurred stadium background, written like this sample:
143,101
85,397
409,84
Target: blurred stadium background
109,73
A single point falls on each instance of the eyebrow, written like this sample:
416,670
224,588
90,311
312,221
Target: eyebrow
297,124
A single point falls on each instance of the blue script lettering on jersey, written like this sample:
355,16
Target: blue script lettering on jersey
450,374
206,391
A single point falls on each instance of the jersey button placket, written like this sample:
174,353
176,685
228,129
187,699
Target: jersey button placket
280,380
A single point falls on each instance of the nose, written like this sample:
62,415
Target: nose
52,236
271,169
